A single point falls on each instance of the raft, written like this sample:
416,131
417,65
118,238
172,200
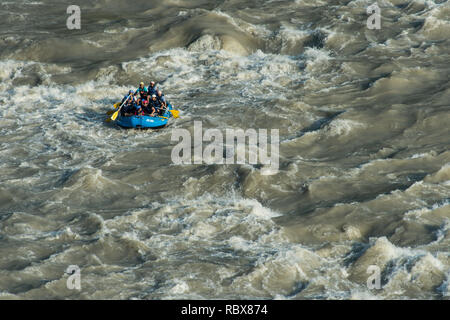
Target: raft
145,122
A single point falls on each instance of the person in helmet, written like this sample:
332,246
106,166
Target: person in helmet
129,106
138,111
162,100
139,101
130,93
160,96
148,109
151,89
144,95
142,91
156,104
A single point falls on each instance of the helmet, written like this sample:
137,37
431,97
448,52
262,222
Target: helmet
130,92
141,83
154,96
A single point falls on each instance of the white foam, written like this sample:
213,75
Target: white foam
340,127
180,287
317,59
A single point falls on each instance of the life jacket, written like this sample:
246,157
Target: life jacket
156,103
141,90
136,108
127,107
147,109
151,90
161,99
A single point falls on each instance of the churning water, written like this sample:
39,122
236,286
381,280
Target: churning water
364,161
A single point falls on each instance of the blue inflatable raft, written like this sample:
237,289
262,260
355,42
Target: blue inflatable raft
145,122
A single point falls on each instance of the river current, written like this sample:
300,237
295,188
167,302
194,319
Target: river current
364,161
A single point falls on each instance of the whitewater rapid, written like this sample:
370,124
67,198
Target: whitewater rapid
364,170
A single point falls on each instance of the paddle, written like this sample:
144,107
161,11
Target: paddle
114,116
110,112
175,113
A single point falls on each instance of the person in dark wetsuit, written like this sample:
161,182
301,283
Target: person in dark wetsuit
130,94
144,95
142,91
139,101
156,104
138,111
128,109
162,99
148,109
151,90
